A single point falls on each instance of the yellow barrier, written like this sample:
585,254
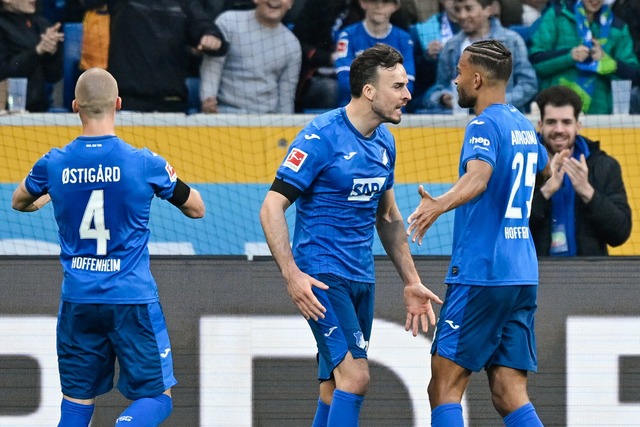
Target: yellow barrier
237,152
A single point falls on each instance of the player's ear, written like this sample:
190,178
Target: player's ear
74,106
118,103
368,90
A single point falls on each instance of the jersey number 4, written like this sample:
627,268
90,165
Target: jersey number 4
94,216
529,169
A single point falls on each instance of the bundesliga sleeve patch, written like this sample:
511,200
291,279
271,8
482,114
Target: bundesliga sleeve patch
295,159
341,48
173,176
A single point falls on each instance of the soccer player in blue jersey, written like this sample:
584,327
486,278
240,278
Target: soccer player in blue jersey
487,320
340,173
101,189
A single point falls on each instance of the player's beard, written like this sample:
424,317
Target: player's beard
464,100
385,114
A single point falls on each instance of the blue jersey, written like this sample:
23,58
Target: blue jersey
101,189
342,176
492,244
355,39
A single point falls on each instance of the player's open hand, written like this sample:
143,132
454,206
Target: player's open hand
417,300
299,289
423,217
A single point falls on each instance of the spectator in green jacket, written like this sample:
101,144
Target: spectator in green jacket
582,45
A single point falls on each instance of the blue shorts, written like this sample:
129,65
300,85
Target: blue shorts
483,326
91,336
347,322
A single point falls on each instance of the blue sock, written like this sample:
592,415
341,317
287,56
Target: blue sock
74,414
524,416
345,409
447,415
146,412
322,415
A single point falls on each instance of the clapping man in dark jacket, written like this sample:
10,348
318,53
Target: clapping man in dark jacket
583,207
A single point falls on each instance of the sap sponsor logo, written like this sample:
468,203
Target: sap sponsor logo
364,188
295,159
480,142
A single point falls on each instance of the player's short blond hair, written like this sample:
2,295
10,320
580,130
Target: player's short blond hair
96,93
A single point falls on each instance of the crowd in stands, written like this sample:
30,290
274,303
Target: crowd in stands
284,56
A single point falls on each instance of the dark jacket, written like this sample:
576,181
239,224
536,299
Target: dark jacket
19,35
605,220
151,44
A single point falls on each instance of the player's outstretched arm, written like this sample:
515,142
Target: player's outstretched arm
23,201
417,297
469,186
276,231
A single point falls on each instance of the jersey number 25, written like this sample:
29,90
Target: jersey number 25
529,169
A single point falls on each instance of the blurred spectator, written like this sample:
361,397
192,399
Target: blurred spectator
30,47
95,37
429,38
583,207
509,12
582,45
316,27
152,48
629,11
532,10
474,18
260,72
375,28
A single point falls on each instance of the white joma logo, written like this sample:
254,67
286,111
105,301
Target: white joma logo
165,353
331,329
450,323
350,155
312,136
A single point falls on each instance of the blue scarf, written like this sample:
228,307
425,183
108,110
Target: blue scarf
585,84
563,217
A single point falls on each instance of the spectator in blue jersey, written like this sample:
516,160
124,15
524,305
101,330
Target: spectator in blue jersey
101,189
583,208
375,28
30,47
476,22
487,320
340,173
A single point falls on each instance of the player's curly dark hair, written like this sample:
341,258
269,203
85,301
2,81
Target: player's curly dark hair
364,69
